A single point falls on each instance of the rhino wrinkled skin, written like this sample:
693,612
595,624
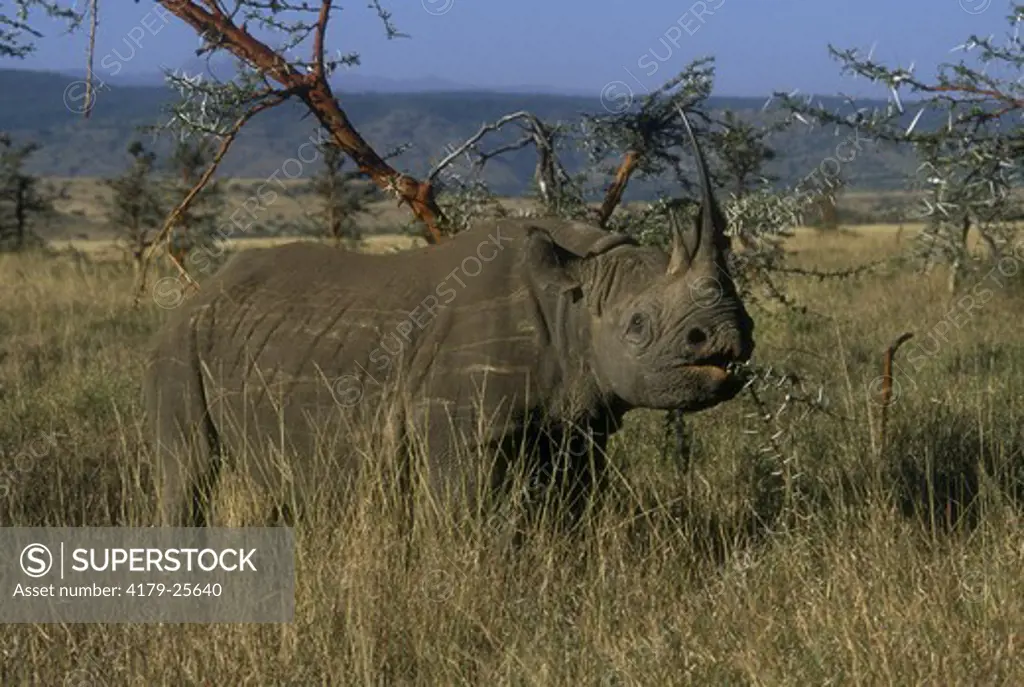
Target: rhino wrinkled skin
535,333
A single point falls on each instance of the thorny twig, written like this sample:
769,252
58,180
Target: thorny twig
760,379
822,275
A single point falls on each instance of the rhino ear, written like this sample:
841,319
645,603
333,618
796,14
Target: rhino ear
546,263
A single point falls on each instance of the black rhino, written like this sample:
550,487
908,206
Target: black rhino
531,334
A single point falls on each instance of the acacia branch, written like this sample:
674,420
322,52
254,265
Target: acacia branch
507,148
315,92
822,275
163,235
318,39
967,89
550,173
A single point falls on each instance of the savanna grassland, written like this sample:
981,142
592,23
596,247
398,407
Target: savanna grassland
786,550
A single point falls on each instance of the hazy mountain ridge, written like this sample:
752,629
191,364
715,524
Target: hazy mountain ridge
430,121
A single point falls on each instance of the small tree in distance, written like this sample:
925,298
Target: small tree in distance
196,224
743,151
136,206
22,198
827,204
342,194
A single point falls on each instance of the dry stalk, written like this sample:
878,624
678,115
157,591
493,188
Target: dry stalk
887,381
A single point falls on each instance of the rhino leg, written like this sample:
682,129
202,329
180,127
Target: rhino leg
186,477
568,469
186,449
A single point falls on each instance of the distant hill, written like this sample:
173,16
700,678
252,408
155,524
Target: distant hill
345,80
73,146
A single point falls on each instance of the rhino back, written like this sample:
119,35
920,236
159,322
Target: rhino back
302,335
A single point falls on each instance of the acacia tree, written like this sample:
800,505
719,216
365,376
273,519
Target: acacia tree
136,206
966,133
742,149
648,139
22,198
342,195
267,77
827,204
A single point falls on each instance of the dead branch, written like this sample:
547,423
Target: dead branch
614,194
887,381
315,92
90,91
471,142
549,172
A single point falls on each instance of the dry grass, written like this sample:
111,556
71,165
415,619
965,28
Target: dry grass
818,561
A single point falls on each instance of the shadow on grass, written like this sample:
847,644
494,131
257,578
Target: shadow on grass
946,468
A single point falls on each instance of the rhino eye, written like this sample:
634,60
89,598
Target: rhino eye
638,329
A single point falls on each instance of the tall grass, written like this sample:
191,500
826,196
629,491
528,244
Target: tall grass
790,551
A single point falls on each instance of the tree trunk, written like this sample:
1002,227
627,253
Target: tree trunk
546,173
333,222
20,213
956,270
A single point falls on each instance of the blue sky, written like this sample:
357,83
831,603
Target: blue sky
582,45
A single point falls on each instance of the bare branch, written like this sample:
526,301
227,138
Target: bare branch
507,148
471,142
90,54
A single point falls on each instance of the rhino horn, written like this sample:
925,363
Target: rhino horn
681,257
711,237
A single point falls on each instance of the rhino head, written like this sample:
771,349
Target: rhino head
665,331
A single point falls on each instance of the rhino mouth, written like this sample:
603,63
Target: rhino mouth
722,366
719,361
724,377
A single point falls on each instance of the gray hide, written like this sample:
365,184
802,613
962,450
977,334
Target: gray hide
518,333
